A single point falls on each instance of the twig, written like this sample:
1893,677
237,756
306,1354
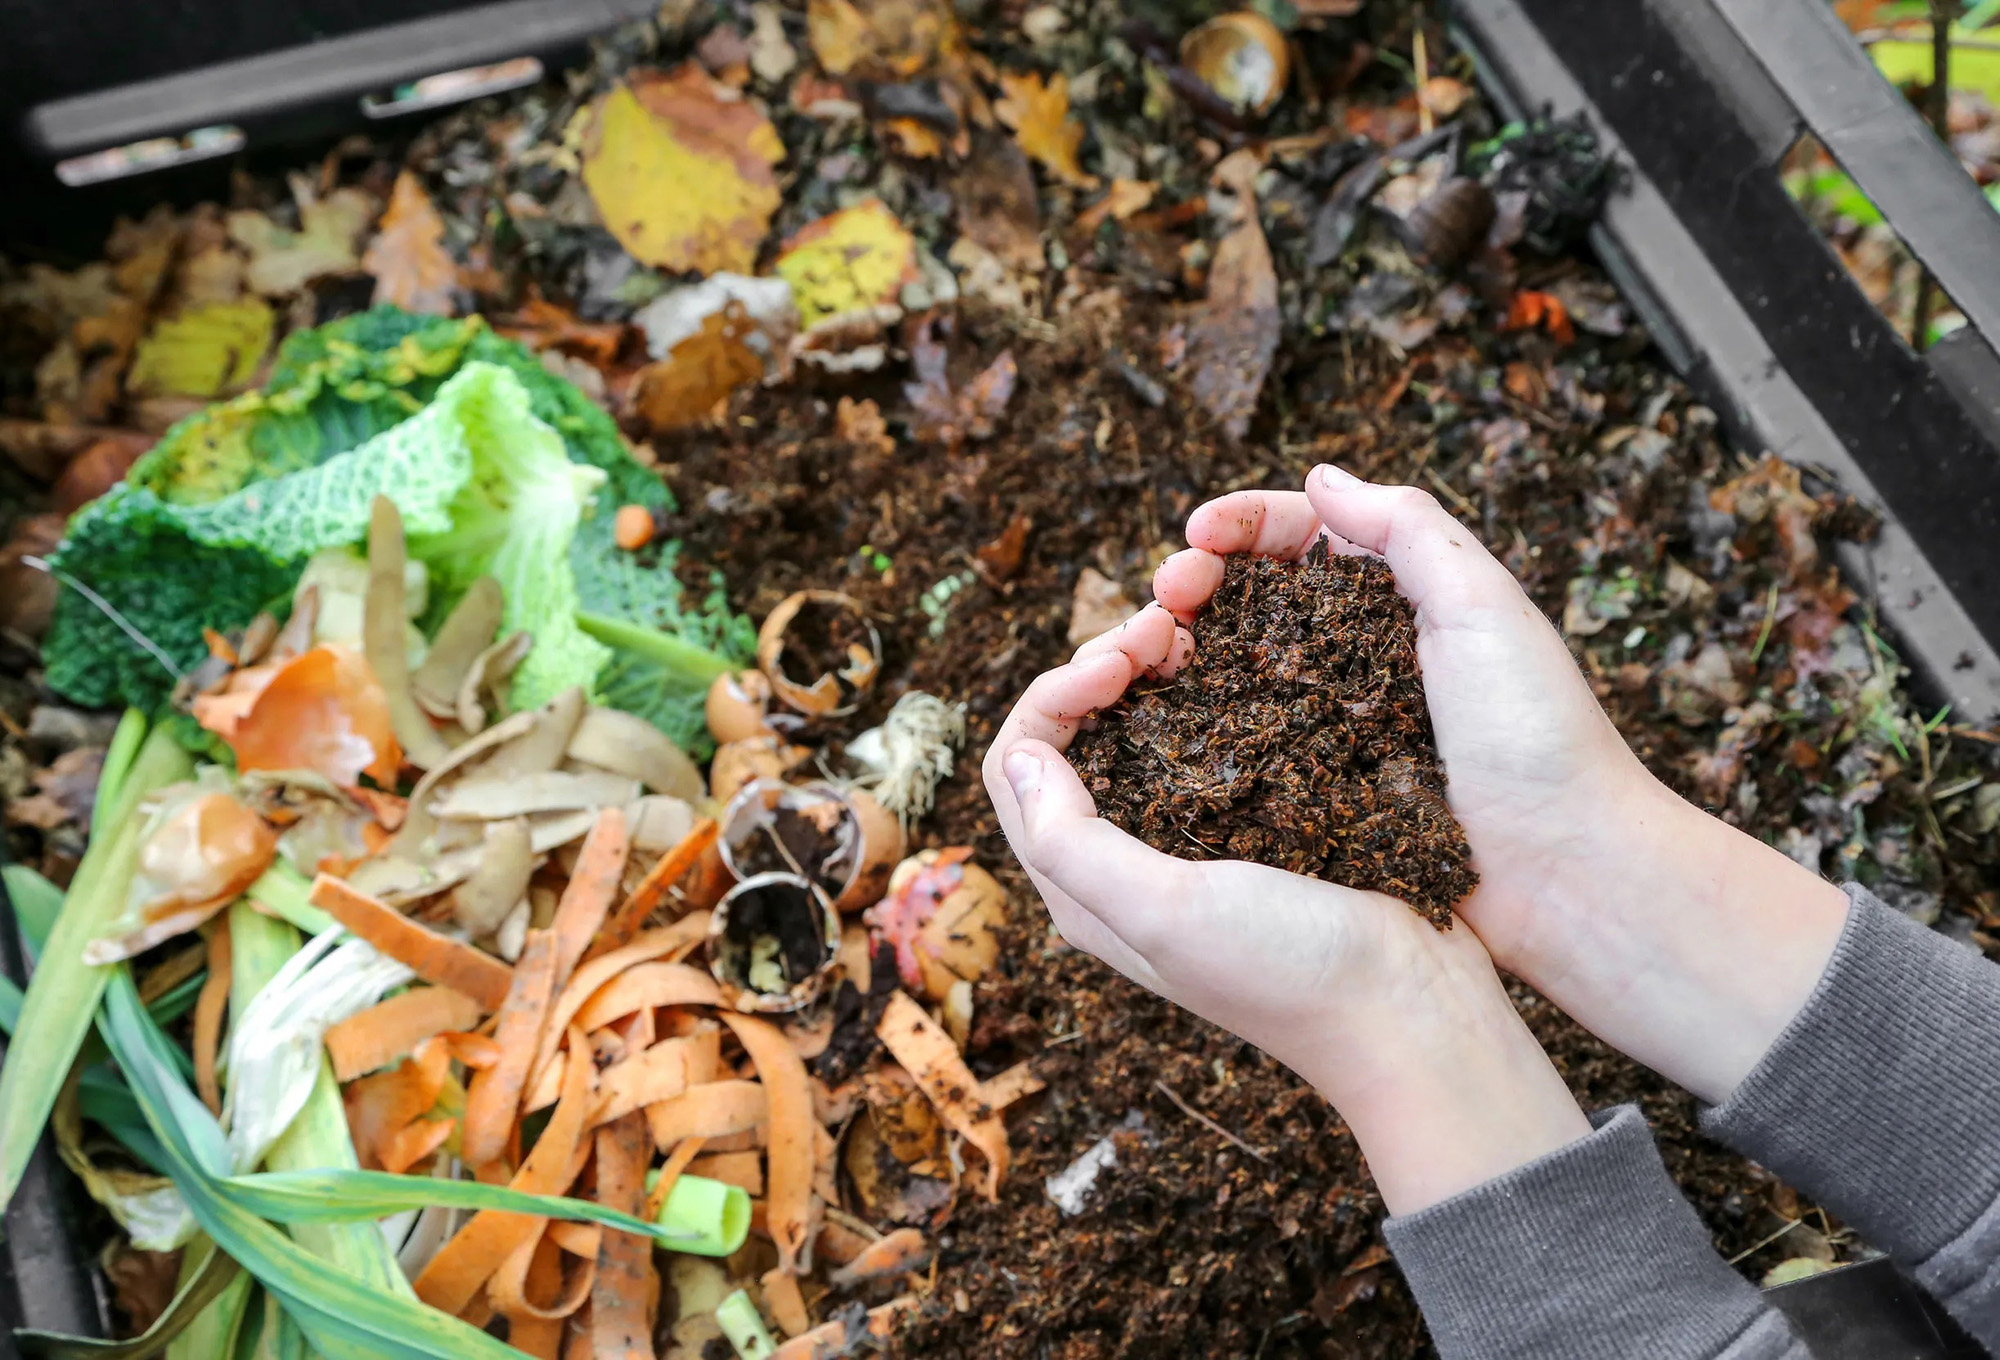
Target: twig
1974,733
105,607
1420,57
1770,617
1450,493
1937,108
1748,1252
1198,1117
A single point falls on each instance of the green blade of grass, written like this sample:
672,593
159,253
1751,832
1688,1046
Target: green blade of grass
341,1317
118,758
338,1196
63,994
318,1137
215,1274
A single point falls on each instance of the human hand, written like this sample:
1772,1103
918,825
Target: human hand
1671,935
1408,1031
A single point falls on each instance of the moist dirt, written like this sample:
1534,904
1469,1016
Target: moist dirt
1298,737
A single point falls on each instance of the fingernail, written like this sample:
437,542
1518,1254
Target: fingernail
1024,774
1338,479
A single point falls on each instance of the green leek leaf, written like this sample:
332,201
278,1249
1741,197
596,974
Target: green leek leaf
216,1274
342,1196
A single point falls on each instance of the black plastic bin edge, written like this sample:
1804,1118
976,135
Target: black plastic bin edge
1752,307
48,1282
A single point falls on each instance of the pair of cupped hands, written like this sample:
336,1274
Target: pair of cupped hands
1672,936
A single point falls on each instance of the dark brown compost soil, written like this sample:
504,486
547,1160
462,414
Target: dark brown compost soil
1298,737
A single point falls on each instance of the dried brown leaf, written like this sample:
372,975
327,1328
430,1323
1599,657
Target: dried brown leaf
407,257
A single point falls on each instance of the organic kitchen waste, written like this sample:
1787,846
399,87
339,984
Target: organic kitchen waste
445,857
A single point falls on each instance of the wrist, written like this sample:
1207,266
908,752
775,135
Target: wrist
1446,1096
1684,942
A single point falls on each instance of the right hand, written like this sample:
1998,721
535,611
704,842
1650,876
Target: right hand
1672,936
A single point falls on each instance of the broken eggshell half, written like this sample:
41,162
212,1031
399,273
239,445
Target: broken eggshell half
738,707
841,838
771,943
820,653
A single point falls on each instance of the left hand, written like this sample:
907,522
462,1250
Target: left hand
1407,1030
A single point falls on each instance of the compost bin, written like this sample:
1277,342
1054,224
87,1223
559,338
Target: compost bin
1054,275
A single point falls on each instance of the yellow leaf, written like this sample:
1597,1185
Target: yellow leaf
680,168
838,33
1039,115
856,258
407,257
282,262
203,352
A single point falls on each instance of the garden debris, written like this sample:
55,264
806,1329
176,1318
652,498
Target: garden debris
942,416
1038,111
203,352
1097,605
283,261
1233,335
1242,58
846,263
682,170
1325,651
412,268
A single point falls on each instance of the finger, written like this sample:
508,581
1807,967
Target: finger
1437,560
1178,655
1187,581
1127,886
1146,639
1059,699
1268,523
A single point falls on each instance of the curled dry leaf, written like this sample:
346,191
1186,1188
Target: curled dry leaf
951,418
407,257
282,261
1233,334
1039,114
928,1055
849,261
1122,200
321,711
885,39
681,169
203,352
1098,605
699,373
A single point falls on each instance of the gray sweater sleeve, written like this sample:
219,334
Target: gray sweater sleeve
1585,1253
1882,1100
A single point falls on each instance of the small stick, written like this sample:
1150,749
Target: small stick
1198,1117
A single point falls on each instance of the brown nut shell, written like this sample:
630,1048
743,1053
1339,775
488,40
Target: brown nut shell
737,707
1242,57
835,691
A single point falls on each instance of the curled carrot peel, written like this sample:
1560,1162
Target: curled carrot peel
465,1263
435,958
677,1162
621,1302
714,1111
792,1156
539,1336
660,1073
593,884
672,867
831,1338
382,1106
387,1030
209,1008
681,936
646,985
903,1249
744,1170
510,1290
494,1099
787,1304
928,1055
412,1143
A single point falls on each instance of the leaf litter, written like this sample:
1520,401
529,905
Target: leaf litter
1018,387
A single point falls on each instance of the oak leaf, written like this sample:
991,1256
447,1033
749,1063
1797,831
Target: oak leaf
407,257
1039,115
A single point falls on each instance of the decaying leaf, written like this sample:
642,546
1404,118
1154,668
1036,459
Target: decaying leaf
943,416
681,389
1233,335
1039,115
887,39
407,257
283,261
860,424
681,169
849,261
998,207
1124,198
1100,604
203,352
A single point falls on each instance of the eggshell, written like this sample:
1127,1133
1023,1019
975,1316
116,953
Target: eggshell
738,706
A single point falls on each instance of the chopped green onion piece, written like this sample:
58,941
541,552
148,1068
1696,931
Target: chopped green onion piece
744,1326
705,1217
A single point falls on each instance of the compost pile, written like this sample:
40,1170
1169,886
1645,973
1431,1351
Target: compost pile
950,313
1297,737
